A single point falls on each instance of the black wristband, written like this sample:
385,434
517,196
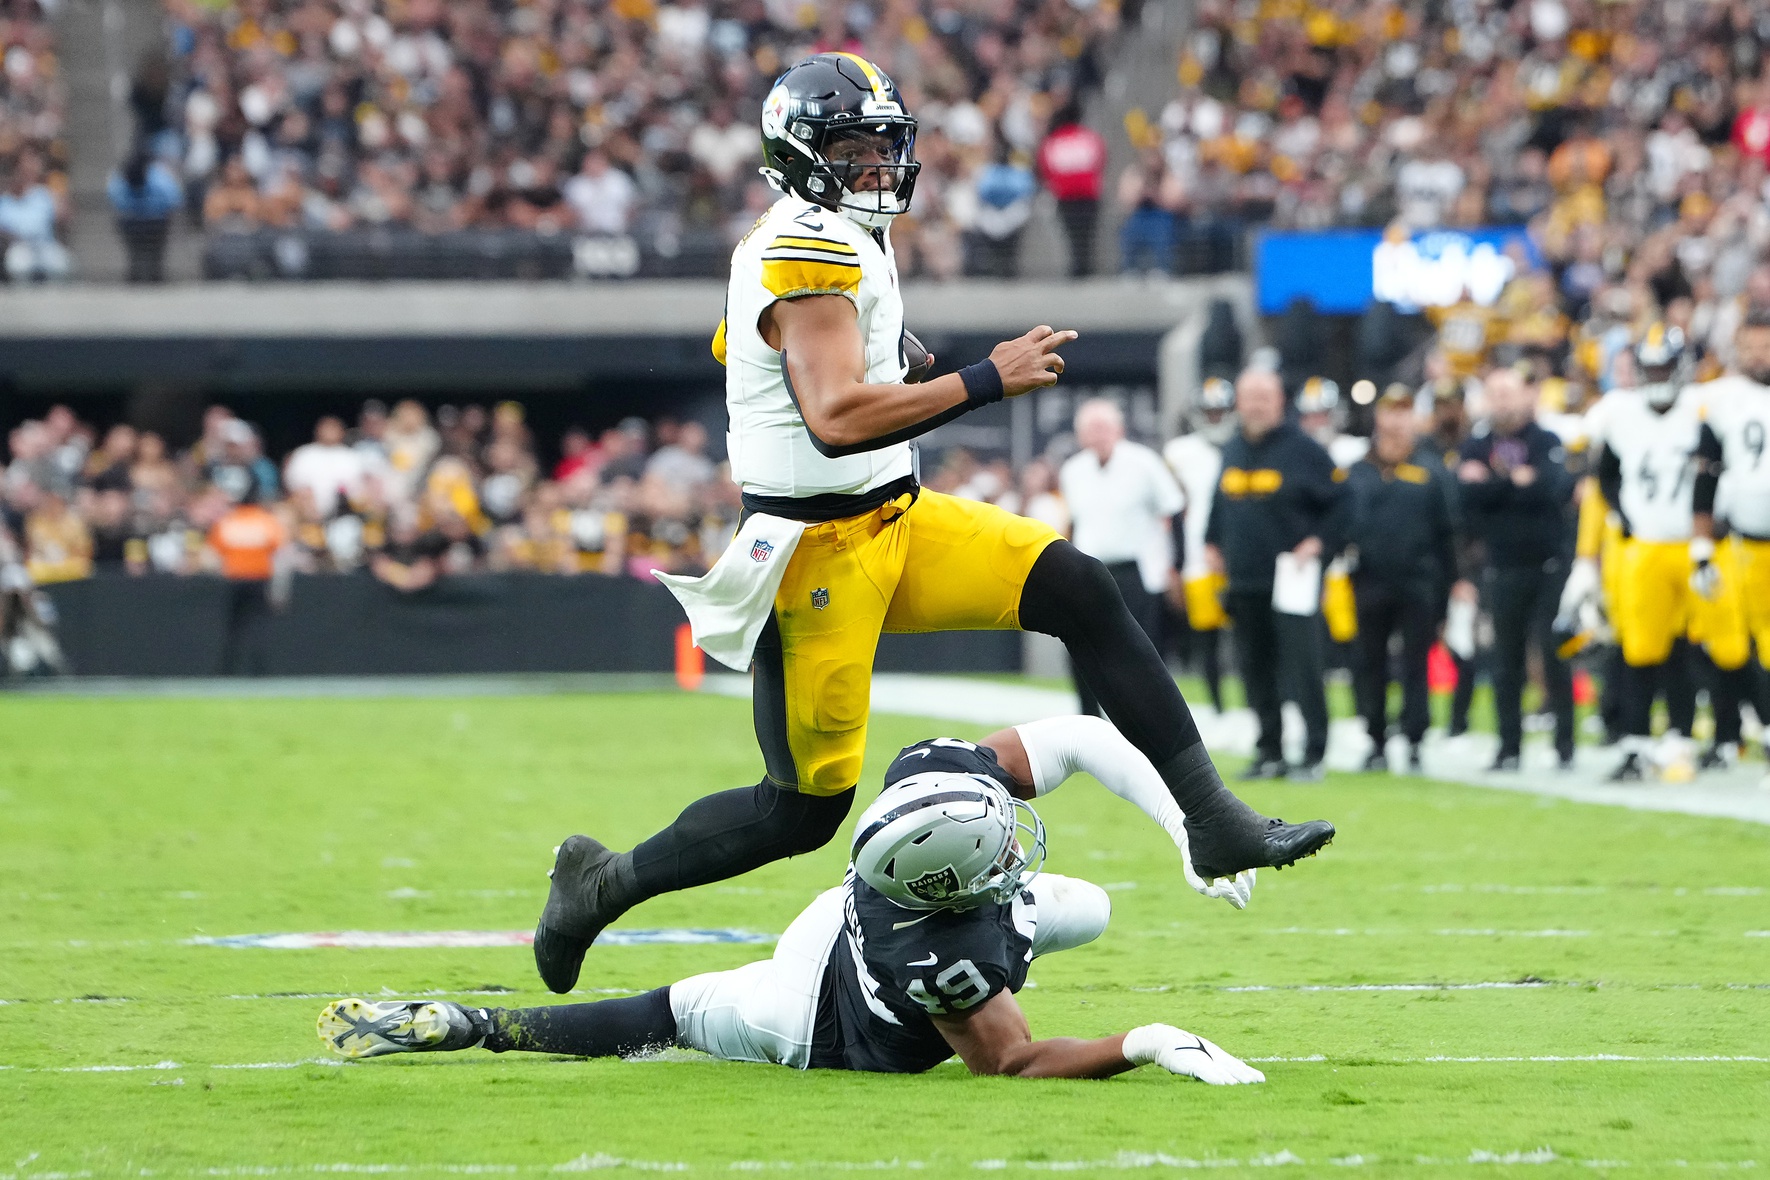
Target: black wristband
983,383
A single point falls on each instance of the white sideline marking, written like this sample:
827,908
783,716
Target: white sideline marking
1732,795
1310,1059
420,939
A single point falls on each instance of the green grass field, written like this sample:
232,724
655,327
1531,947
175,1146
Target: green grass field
1634,1036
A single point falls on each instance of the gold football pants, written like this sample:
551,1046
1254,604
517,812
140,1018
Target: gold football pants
937,563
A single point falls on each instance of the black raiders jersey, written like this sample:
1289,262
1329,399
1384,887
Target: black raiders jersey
892,968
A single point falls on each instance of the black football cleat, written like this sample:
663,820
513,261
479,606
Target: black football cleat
1504,764
1717,757
1414,764
1376,762
581,901
1279,846
1631,770
1264,769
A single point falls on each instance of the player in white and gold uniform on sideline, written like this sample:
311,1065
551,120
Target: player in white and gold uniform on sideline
840,543
1647,439
1732,525
1196,459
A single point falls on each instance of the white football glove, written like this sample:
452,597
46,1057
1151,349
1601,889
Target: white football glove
1582,587
1236,890
1705,579
1190,1056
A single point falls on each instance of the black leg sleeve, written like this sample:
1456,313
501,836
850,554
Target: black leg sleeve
733,832
607,1028
1072,596
1680,687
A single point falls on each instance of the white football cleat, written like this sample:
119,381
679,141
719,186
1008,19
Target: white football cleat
368,1028
1187,1055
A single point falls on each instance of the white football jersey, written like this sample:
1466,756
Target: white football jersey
798,249
1657,452
1737,409
1197,464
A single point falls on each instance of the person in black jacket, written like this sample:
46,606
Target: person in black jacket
1278,493
1516,491
1400,528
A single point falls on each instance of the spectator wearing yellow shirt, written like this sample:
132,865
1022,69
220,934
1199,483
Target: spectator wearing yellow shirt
58,545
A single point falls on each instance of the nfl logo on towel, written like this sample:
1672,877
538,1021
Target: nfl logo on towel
760,550
820,598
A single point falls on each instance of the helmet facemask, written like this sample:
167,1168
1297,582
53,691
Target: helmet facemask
866,171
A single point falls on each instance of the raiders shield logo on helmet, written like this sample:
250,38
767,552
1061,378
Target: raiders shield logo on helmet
937,886
820,598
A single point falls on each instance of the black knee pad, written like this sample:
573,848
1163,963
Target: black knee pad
1067,589
806,822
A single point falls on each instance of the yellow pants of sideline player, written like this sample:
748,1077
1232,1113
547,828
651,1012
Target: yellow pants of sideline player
1652,598
1739,616
935,564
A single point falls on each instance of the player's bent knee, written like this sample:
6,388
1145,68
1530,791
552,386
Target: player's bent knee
1071,913
1066,588
813,820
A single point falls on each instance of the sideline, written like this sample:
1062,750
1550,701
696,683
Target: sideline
1729,794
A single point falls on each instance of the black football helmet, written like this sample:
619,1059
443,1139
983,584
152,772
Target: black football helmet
816,106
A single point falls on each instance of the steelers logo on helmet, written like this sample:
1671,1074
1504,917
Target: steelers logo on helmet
834,132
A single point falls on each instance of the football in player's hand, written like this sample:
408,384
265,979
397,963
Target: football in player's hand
918,358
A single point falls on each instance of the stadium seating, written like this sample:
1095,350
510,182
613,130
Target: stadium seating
472,140
33,154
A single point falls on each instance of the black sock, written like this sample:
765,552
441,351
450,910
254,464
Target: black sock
607,1028
733,832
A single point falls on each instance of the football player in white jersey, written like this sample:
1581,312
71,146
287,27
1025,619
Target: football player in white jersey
840,543
1196,459
1732,524
1647,472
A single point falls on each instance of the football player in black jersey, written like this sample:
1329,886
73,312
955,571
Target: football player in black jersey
914,958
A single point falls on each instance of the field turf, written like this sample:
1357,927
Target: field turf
1606,1005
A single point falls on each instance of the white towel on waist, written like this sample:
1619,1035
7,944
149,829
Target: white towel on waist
728,608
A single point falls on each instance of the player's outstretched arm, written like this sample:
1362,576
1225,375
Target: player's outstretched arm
1041,755
825,362
995,1040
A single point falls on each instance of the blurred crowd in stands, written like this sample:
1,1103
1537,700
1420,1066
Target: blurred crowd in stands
609,118
404,494
33,154
1625,134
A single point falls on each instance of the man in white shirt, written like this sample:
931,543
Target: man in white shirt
602,195
325,468
1122,499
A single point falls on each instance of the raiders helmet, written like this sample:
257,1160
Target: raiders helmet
948,841
816,105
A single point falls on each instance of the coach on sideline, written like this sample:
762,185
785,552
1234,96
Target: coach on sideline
1400,530
1122,500
1516,491
1279,493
